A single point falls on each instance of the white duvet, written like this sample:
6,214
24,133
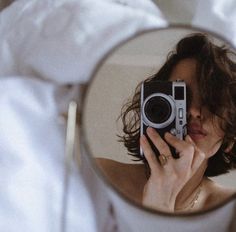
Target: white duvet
45,45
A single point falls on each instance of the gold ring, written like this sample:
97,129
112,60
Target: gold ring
163,159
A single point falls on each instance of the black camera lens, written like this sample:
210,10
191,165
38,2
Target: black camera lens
157,109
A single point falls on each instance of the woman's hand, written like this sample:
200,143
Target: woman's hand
167,180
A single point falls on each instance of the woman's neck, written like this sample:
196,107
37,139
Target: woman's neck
189,195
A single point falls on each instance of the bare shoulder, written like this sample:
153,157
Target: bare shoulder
128,178
217,193
118,171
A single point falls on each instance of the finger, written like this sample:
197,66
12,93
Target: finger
159,143
198,157
178,144
189,140
149,154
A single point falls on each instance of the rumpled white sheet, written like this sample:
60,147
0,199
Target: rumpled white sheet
218,16
45,45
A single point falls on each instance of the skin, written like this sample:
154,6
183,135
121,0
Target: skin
173,187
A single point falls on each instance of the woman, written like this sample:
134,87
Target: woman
182,185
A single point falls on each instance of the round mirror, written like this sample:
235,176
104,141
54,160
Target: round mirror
159,120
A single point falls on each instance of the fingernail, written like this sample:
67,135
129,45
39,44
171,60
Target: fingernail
150,130
168,134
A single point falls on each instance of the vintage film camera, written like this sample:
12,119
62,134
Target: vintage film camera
163,107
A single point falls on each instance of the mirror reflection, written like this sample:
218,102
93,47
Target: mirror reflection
160,120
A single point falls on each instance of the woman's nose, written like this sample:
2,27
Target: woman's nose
194,111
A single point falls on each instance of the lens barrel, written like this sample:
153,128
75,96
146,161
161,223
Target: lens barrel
157,109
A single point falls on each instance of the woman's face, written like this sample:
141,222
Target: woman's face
200,127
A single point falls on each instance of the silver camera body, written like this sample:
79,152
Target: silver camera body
163,107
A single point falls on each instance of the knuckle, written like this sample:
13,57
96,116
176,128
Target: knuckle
153,157
191,156
162,146
202,155
190,148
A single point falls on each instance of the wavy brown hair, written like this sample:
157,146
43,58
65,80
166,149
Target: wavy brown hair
216,73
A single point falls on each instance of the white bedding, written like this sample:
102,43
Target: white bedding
44,46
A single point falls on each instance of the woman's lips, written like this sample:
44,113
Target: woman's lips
196,132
